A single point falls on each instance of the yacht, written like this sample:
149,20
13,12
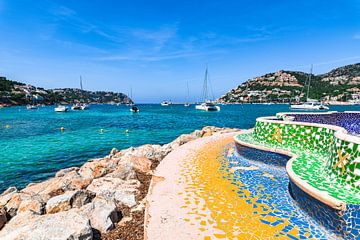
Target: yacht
61,108
165,103
84,106
309,105
206,105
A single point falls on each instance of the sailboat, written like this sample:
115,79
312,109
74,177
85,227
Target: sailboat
187,104
133,108
207,104
80,106
309,105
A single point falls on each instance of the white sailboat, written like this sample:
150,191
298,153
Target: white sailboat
133,108
206,105
309,105
80,106
187,104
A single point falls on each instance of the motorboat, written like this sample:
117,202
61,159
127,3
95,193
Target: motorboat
61,108
309,106
166,103
187,104
134,109
208,106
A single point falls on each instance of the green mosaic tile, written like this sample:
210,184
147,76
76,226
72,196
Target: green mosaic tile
324,162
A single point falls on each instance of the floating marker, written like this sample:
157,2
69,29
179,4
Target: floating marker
101,130
127,131
62,129
7,126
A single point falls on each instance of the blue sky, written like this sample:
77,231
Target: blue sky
158,46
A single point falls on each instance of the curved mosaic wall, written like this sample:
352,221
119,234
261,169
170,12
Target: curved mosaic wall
348,120
325,160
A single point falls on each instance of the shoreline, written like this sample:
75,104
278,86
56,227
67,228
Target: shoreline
105,196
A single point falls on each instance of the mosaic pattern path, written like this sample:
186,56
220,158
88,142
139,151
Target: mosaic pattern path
204,192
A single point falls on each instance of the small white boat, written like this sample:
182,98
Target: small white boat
309,106
31,107
84,106
187,104
134,109
61,108
208,106
166,103
76,107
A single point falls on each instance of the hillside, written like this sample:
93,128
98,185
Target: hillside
340,84
17,93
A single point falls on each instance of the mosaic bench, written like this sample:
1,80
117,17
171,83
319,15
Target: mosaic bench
324,168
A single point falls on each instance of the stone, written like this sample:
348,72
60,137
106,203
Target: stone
13,204
124,171
3,218
97,168
115,189
103,214
68,200
47,189
62,172
60,226
141,164
60,203
34,204
7,195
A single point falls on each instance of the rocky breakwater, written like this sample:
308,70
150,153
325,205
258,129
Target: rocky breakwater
102,199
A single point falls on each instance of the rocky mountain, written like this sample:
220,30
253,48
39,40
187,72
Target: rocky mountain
17,93
340,84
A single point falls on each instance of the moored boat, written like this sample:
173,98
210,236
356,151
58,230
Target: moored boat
31,107
166,103
206,105
61,108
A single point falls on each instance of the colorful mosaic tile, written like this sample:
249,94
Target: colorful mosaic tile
323,161
247,194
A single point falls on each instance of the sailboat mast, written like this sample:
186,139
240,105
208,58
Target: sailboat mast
308,89
205,95
188,93
81,83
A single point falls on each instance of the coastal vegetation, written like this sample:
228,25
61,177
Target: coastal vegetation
340,84
17,93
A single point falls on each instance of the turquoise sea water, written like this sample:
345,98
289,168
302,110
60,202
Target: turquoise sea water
34,148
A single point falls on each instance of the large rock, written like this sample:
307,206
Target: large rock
63,172
103,214
34,204
124,171
116,189
60,226
98,167
7,195
68,200
47,189
13,204
138,163
3,218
